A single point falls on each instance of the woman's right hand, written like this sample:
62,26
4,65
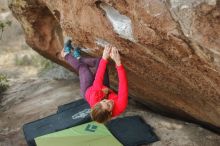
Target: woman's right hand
106,52
115,56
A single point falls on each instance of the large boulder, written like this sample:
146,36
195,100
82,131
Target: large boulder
170,49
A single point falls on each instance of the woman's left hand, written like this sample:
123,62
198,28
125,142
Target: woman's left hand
115,56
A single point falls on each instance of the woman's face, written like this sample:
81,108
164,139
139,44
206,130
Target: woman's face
107,104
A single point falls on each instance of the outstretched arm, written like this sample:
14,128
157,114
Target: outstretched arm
98,82
123,84
122,88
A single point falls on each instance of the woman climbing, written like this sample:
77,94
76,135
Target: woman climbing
104,102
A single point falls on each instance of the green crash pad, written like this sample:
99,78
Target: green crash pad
89,134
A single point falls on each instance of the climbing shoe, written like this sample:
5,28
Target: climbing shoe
76,53
67,47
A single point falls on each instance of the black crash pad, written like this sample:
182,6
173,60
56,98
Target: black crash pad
130,131
72,104
70,117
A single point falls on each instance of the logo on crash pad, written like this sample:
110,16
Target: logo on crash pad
81,114
91,128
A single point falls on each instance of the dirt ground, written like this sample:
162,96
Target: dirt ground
31,97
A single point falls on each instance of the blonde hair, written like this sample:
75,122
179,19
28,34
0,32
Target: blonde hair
99,114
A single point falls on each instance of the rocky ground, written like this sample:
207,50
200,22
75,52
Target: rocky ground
38,86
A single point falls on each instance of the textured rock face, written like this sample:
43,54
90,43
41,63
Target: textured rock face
170,49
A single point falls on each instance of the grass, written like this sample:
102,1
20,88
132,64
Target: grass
34,60
3,83
4,25
45,68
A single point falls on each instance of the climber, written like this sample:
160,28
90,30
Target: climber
104,102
